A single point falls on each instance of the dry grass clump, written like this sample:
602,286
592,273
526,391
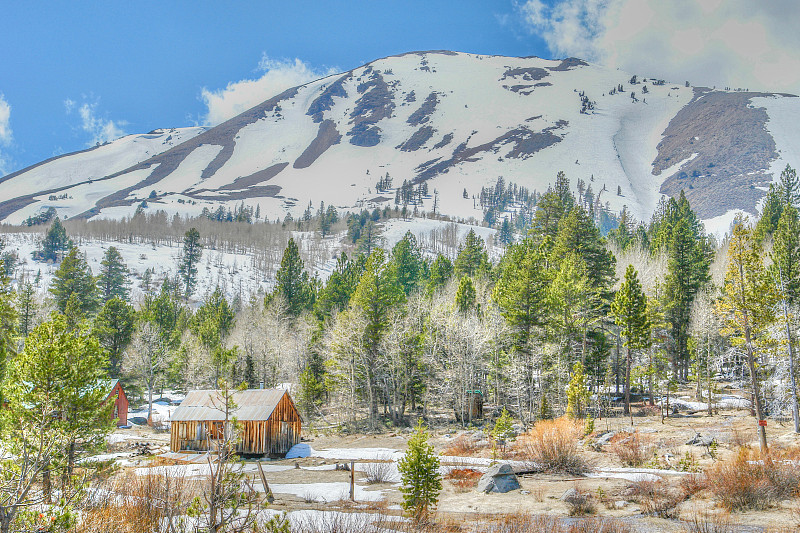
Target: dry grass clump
633,449
580,503
137,504
657,498
552,446
527,523
751,481
464,479
463,446
379,472
710,523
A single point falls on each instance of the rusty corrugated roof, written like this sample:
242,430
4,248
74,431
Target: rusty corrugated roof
251,404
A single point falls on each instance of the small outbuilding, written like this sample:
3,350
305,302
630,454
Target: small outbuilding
270,423
117,395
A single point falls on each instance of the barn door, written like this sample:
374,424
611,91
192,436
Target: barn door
283,444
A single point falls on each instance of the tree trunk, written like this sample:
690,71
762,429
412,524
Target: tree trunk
751,363
628,382
795,414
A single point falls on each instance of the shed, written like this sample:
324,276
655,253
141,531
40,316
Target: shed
117,394
270,423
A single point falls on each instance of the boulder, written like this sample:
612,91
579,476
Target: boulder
699,440
498,478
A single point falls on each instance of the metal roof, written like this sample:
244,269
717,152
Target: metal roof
251,404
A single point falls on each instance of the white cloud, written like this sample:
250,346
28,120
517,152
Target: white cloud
102,130
735,43
239,96
5,132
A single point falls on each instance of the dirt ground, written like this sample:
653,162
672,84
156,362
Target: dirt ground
540,494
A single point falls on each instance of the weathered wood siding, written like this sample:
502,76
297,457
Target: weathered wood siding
269,437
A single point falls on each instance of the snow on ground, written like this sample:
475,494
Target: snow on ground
724,402
324,492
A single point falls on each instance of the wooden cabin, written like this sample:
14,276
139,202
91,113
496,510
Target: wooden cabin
270,423
117,395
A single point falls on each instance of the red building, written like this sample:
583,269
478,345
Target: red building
117,394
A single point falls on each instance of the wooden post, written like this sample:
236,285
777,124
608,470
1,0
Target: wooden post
352,481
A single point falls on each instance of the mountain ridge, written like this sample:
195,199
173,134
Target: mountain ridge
457,121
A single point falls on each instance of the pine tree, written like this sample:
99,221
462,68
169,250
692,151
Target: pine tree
746,306
679,233
421,482
407,263
630,313
64,368
187,268
577,392
292,282
114,327
212,323
465,295
503,429
376,295
577,234
520,292
74,277
113,279
785,269
26,307
506,232
472,259
8,323
55,242
441,271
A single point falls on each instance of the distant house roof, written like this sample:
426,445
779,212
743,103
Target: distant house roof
251,405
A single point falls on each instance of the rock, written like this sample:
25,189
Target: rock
478,435
498,478
518,429
604,438
524,492
620,504
569,495
699,440
138,420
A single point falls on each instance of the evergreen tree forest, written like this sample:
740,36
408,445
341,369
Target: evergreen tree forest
392,334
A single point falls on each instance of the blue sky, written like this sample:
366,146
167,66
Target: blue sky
74,73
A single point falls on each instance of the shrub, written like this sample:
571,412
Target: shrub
527,523
462,446
419,471
632,449
463,479
134,504
552,446
751,481
580,503
707,523
655,497
380,472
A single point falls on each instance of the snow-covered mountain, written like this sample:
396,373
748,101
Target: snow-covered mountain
456,121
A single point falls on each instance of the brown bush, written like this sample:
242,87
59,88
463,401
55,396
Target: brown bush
632,449
691,485
708,523
526,523
464,479
751,481
580,503
657,498
552,446
462,446
137,504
